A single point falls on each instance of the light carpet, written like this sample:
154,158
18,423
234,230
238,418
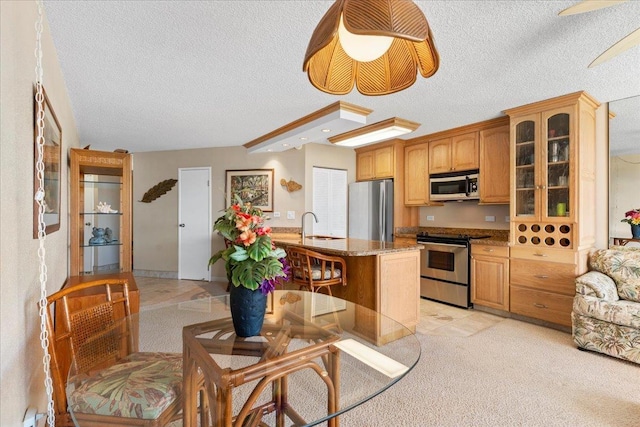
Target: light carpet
505,372
510,374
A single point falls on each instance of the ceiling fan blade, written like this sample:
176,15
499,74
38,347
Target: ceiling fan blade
588,6
627,42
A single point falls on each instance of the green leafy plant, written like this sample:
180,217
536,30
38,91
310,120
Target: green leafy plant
251,259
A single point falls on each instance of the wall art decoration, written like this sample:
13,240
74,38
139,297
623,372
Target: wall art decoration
52,153
291,185
254,186
158,190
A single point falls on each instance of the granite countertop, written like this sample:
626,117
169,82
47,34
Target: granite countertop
344,247
498,237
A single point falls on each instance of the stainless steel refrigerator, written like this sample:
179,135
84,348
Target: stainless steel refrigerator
371,210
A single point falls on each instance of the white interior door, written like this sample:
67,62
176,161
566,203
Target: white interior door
194,223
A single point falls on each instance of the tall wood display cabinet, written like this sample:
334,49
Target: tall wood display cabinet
552,203
100,236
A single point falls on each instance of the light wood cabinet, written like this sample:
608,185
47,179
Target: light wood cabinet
494,165
416,174
455,153
100,177
375,164
490,276
552,203
389,284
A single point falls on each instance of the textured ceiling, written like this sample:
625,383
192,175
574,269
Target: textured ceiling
164,75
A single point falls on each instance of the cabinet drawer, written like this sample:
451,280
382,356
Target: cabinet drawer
489,250
547,306
545,276
544,254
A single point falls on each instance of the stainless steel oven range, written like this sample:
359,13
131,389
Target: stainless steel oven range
445,268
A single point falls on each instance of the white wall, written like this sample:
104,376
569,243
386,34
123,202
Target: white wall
21,375
623,192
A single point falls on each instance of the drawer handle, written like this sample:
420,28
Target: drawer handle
542,255
536,304
541,276
488,250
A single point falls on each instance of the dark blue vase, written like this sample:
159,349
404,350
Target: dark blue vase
635,231
247,310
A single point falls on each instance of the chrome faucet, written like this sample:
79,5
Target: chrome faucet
304,235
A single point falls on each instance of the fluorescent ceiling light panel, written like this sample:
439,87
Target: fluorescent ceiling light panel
380,131
339,117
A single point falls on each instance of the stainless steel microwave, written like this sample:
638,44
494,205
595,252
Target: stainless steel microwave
454,185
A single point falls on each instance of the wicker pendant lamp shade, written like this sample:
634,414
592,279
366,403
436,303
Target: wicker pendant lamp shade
332,70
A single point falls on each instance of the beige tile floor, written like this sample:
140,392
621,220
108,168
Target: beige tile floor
435,318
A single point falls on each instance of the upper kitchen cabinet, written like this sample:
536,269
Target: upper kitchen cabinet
385,160
100,236
375,162
553,172
455,153
416,175
494,165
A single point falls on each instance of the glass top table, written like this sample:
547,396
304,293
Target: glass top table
316,357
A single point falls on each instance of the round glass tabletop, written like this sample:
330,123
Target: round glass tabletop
316,357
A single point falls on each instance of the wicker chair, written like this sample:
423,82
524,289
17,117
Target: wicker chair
99,344
315,271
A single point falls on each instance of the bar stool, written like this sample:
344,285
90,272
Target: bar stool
315,271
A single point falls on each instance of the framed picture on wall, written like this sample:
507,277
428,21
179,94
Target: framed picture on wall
51,176
254,186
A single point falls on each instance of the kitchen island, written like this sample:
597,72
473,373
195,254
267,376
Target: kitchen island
381,276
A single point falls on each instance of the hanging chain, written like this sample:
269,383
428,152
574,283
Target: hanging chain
42,235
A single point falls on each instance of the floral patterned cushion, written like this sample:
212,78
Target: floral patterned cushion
623,266
142,385
598,285
621,312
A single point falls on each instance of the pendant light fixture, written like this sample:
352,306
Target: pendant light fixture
377,44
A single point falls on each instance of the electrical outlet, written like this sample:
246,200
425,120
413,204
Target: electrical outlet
507,219
291,214
431,218
276,214
490,218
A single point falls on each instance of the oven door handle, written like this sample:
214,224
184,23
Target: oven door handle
443,244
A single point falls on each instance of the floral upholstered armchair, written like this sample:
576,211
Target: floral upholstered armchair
606,308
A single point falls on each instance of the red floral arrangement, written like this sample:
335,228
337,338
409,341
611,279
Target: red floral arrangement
251,258
632,217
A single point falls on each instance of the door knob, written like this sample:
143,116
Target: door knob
181,225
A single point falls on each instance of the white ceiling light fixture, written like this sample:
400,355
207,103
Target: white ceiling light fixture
375,132
338,117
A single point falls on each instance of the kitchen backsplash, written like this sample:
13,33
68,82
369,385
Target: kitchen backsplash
467,214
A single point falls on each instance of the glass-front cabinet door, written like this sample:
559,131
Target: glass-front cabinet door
100,236
556,186
526,152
